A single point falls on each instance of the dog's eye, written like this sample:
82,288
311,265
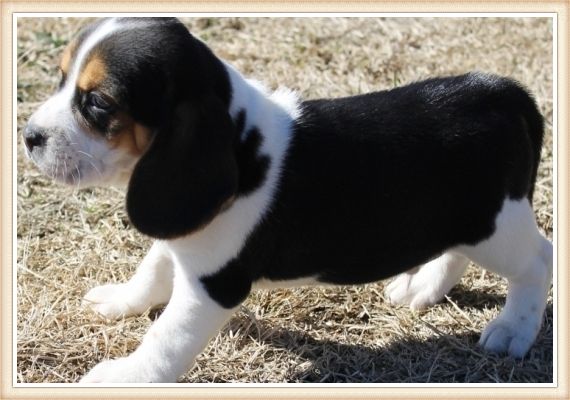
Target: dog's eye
97,101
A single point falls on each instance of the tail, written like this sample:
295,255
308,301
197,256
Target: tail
525,106
509,95
535,131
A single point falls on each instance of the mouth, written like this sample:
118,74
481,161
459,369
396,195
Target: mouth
62,170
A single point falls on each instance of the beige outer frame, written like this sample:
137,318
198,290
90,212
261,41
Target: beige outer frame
7,220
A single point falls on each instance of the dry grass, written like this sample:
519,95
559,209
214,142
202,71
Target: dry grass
71,240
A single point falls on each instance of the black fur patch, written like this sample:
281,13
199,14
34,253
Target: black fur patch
374,185
230,286
252,165
240,125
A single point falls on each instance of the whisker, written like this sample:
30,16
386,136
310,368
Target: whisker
78,176
89,161
64,168
74,179
95,168
83,152
56,167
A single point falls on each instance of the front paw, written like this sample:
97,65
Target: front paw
123,370
111,302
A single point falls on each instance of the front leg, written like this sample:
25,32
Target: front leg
151,286
171,345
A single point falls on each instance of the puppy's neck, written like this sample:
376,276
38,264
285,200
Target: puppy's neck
269,112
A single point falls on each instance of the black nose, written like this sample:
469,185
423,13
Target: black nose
33,137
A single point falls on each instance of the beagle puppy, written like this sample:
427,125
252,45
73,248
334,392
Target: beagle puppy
246,189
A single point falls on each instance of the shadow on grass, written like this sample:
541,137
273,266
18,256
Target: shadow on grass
475,298
441,358
438,359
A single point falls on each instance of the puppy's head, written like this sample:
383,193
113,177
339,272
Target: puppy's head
141,102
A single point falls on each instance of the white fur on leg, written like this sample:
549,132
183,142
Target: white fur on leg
151,286
428,284
170,346
518,252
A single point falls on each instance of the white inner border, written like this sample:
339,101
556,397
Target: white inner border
552,15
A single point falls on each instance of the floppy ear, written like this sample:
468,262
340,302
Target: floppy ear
188,174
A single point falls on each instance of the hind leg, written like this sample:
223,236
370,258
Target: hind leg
428,284
517,251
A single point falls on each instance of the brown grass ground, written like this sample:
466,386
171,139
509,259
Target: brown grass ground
71,240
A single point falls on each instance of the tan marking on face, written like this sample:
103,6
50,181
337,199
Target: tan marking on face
142,137
227,204
67,55
132,137
94,72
